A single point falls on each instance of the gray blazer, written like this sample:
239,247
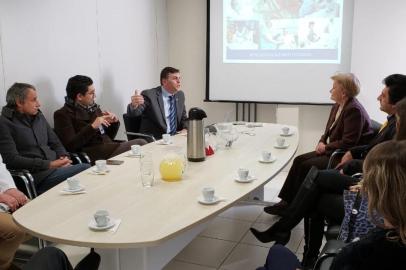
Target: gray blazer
153,113
28,142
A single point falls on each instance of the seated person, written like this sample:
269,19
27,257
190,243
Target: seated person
11,236
82,126
28,142
162,108
321,196
348,125
385,186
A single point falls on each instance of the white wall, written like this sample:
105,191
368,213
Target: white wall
121,45
378,50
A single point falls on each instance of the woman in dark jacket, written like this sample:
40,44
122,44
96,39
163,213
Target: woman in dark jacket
348,125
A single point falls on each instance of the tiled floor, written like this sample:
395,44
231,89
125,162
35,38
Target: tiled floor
227,243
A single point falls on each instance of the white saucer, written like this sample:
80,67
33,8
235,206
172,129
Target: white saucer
287,135
96,171
161,142
267,161
249,179
281,147
73,191
93,225
203,201
135,155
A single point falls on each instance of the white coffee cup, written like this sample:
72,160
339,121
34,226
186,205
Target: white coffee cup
285,130
101,165
243,173
208,194
266,155
102,218
166,138
280,142
136,149
73,183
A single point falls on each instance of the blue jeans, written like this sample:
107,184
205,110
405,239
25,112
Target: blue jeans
60,175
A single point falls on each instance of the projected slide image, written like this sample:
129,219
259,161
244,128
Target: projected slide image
282,31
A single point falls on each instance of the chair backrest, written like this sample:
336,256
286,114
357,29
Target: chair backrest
132,124
376,126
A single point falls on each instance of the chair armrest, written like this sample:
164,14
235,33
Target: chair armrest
79,158
75,158
24,182
149,138
357,175
334,155
329,251
85,158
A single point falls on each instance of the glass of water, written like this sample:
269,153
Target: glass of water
147,170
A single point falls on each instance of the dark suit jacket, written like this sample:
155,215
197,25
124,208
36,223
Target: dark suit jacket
353,127
359,152
73,126
153,113
28,142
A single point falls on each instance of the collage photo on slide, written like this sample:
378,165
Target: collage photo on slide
277,30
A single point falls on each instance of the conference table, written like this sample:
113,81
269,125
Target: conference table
156,222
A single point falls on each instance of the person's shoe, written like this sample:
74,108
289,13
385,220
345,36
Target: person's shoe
271,235
278,209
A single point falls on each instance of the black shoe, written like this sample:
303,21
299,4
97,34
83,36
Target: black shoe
278,209
271,235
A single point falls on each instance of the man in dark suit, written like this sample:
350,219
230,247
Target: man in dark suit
162,108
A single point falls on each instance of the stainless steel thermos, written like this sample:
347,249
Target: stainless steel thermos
195,135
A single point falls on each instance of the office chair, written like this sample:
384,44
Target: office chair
132,127
338,153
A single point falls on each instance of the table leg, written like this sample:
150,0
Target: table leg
147,258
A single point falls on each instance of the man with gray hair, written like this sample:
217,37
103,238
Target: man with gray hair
28,142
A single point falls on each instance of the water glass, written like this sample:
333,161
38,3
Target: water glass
147,170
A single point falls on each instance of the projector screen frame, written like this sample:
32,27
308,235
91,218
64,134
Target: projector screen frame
207,88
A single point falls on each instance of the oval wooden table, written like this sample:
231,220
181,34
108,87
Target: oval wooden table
157,222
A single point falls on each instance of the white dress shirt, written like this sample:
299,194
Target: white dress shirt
6,181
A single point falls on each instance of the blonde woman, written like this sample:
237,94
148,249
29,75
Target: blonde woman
385,247
385,186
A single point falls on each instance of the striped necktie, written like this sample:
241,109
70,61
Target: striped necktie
172,115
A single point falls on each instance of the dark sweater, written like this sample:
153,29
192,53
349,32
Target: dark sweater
373,252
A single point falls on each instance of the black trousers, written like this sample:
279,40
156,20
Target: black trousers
51,258
329,205
300,167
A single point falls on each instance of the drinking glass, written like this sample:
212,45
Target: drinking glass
147,170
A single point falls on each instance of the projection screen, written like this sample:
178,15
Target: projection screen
276,51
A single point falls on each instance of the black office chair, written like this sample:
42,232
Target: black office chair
132,127
24,182
338,153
